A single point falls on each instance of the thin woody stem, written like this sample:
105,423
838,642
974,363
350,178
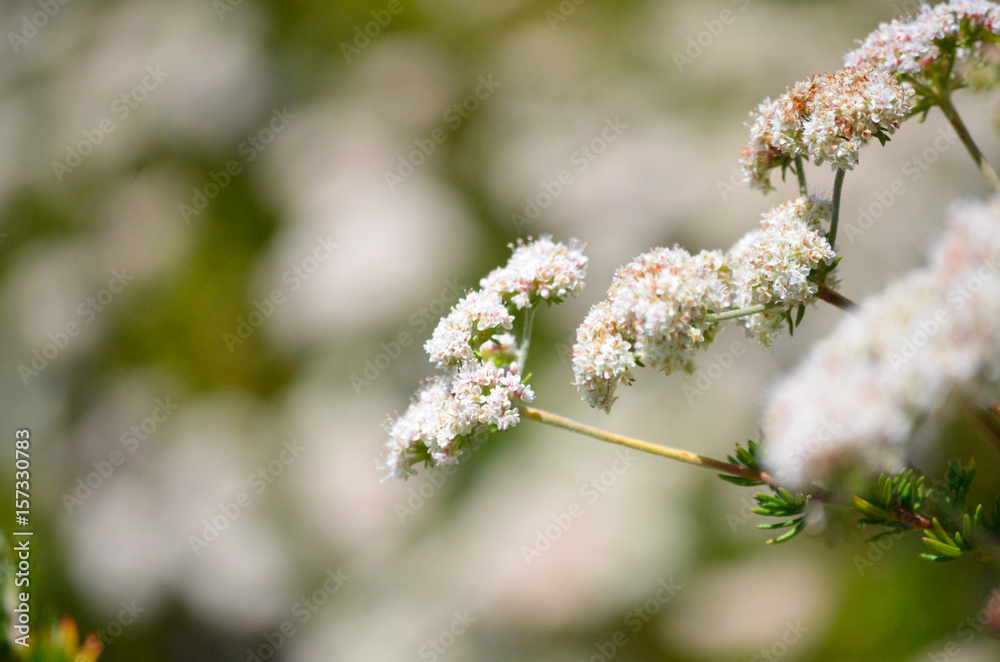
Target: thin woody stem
944,102
912,519
637,444
837,299
909,518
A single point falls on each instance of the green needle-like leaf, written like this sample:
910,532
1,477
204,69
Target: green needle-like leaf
800,524
871,510
936,558
739,480
942,549
778,525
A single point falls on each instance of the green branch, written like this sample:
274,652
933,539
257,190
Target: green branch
835,298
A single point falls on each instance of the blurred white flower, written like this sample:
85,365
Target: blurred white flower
328,175
933,336
132,537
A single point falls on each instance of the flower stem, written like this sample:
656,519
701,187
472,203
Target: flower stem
838,185
801,174
522,352
711,318
646,447
835,298
944,101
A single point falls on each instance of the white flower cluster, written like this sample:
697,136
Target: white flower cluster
481,386
932,337
657,309
827,118
653,315
449,410
913,46
772,265
542,270
473,320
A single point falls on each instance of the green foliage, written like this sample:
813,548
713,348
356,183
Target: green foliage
947,546
745,457
781,503
891,499
950,530
958,537
992,522
959,481
894,503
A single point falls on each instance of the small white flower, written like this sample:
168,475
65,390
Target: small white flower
602,358
481,387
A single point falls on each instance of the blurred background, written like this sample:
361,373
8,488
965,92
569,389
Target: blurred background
226,229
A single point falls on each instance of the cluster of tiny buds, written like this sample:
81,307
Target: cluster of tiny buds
480,387
825,119
659,308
